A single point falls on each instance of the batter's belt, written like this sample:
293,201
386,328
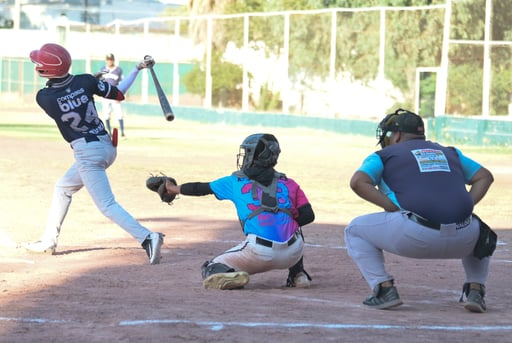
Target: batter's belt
427,223
90,138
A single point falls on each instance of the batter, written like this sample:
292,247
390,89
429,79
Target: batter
69,100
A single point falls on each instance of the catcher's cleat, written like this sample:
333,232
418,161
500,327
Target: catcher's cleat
41,247
153,245
301,281
232,280
383,298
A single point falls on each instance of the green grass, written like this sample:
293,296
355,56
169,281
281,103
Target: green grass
32,131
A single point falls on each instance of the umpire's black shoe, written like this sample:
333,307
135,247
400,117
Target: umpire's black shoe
153,245
475,293
383,298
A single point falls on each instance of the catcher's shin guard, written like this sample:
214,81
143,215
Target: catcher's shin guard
209,268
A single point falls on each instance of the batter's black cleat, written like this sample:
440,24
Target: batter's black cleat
231,280
383,298
475,293
153,246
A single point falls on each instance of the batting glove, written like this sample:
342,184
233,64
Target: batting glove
148,62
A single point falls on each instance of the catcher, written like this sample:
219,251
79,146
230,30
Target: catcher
271,208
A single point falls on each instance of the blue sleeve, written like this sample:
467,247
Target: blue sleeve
223,188
372,165
127,82
469,166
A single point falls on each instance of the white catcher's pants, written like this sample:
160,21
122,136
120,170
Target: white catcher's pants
254,258
89,170
369,235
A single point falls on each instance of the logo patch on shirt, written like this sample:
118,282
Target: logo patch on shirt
101,86
431,160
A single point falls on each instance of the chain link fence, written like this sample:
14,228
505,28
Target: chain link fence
334,63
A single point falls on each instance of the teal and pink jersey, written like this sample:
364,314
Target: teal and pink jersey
279,226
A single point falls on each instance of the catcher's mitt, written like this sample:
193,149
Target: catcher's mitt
156,183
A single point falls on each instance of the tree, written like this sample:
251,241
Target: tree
226,84
466,61
413,39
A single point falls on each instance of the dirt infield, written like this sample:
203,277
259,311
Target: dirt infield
100,288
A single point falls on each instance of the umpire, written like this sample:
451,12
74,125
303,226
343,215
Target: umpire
428,211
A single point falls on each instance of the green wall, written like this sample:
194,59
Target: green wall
444,129
479,132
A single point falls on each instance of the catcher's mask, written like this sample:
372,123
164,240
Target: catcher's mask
399,121
258,150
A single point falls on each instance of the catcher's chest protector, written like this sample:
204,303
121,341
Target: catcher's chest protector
268,199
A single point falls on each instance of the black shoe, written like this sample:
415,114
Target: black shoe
383,298
299,280
475,297
153,245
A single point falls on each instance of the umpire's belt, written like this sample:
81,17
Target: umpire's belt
269,244
425,222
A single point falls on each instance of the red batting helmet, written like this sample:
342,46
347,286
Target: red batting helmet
52,61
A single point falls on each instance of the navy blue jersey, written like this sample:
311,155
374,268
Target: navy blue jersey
70,103
424,177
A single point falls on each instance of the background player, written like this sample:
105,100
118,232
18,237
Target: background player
68,99
113,74
271,208
427,209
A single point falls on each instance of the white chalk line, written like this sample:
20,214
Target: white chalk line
217,326
34,320
221,325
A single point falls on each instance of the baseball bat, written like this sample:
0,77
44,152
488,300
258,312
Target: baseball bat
164,103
